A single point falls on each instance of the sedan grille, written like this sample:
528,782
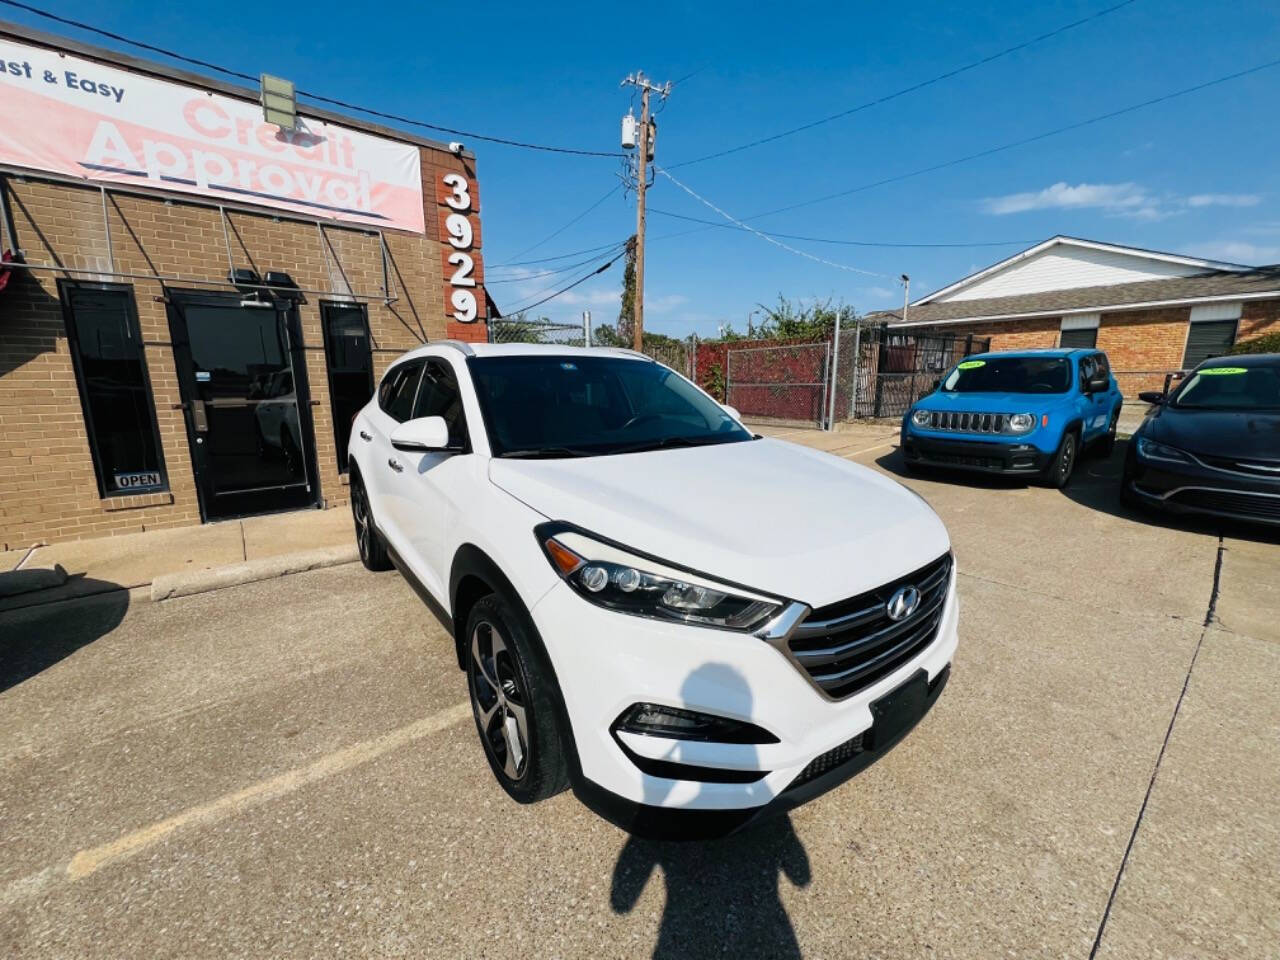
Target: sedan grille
968,422
1259,505
1255,466
847,646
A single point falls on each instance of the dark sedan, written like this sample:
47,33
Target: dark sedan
1212,446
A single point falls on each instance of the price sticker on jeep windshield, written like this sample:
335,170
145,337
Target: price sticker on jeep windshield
971,365
1223,371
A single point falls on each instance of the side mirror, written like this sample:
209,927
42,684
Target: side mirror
731,411
423,435
1151,396
1099,384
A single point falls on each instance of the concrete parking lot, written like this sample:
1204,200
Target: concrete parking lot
289,768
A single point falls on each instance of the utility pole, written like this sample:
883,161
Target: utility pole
643,157
586,328
906,295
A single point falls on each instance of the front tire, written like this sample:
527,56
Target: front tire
1063,463
511,700
373,552
1108,443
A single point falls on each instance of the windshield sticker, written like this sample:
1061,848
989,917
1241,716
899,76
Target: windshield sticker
971,365
1223,371
568,366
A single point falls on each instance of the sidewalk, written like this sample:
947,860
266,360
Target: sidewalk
266,544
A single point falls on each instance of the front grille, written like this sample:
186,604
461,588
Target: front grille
825,763
847,646
963,460
968,422
1225,501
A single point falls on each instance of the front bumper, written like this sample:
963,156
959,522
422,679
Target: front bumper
1207,491
1015,457
607,661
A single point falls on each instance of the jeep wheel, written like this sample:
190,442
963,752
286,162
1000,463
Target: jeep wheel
1064,461
1108,443
373,552
510,697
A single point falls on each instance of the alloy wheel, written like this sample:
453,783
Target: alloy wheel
1067,461
499,700
360,511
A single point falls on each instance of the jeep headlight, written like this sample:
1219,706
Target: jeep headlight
922,418
610,576
1021,422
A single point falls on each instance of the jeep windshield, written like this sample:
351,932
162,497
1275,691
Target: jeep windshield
575,405
1231,388
1009,375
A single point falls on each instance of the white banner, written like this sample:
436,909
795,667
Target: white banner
72,116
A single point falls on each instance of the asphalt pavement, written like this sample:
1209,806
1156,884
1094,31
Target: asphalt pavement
289,769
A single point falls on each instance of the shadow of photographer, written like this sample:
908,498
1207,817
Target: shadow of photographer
722,896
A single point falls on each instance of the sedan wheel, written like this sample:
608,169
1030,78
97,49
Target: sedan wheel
373,554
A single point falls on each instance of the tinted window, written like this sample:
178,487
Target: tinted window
350,362
396,394
579,404
1226,387
440,397
1078,339
997,374
1210,338
106,344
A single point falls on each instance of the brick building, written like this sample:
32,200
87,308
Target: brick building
195,302
1152,312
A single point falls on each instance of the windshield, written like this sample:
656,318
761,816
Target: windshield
1231,388
1010,375
575,405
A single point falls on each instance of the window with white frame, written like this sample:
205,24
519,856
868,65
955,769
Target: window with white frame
1080,330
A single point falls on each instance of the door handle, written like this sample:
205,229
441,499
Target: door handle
200,416
394,464
365,436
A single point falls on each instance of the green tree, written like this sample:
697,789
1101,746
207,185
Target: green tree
627,311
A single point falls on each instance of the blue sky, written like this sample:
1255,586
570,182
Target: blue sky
1198,174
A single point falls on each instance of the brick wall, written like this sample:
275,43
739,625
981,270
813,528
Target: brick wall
48,490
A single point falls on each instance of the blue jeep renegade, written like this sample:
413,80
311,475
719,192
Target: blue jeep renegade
1026,413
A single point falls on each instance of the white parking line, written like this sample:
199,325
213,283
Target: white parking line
90,860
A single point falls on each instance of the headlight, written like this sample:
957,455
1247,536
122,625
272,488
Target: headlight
922,418
1021,422
611,577
1150,450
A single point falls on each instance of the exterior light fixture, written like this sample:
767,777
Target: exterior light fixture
279,102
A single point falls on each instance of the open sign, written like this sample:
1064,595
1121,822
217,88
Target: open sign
139,480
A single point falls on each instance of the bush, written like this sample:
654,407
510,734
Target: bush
1267,343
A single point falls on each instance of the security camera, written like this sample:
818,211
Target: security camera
455,148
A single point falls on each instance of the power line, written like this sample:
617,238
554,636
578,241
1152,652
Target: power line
583,279
561,256
906,90
612,190
545,273
846,243
319,98
761,234
1111,114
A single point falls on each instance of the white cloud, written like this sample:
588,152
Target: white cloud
1114,199
879,293
1237,251
1223,200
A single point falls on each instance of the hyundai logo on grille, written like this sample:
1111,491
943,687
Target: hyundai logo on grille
903,603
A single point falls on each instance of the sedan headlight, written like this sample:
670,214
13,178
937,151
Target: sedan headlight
1021,422
922,418
609,576
1150,450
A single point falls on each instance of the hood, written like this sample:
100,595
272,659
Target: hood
989,402
777,517
1235,434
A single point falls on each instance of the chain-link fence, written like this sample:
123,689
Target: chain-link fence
677,356
536,331
786,382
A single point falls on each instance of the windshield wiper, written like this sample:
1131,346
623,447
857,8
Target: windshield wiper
666,442
545,453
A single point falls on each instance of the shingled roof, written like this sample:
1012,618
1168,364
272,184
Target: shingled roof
1258,283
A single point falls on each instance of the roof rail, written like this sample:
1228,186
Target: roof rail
634,353
460,345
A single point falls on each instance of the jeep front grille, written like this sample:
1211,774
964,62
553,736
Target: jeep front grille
845,647
969,422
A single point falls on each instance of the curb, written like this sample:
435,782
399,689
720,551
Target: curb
171,585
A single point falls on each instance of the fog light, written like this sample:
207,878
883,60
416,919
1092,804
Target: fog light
657,720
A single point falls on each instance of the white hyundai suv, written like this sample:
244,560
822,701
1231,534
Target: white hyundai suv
693,626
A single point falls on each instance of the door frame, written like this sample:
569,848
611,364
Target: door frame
175,301
326,306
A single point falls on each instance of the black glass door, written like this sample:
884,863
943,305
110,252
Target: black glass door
244,391
349,359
